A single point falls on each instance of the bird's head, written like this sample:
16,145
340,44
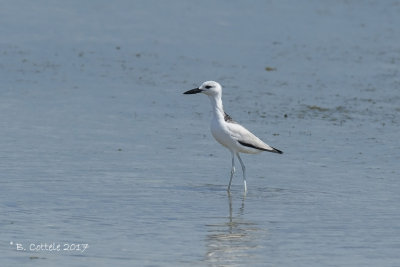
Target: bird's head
209,88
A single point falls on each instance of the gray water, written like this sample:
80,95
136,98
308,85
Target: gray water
102,154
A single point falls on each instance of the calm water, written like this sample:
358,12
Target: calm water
103,156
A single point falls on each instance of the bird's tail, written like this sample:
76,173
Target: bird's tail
274,150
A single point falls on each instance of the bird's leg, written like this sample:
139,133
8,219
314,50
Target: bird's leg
244,172
232,172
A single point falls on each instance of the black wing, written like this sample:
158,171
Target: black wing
274,150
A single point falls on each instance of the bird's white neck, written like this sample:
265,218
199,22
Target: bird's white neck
217,108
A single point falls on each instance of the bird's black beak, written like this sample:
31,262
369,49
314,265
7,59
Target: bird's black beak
193,91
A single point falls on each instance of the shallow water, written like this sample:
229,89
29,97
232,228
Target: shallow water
100,147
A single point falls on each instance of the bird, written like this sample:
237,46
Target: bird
229,133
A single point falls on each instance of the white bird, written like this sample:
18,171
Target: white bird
229,133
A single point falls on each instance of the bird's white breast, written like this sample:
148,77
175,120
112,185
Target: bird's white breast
221,133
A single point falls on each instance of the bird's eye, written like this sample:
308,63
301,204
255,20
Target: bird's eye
208,86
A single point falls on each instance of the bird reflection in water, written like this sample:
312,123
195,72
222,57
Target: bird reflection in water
233,241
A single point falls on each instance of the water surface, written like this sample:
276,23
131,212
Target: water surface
100,147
